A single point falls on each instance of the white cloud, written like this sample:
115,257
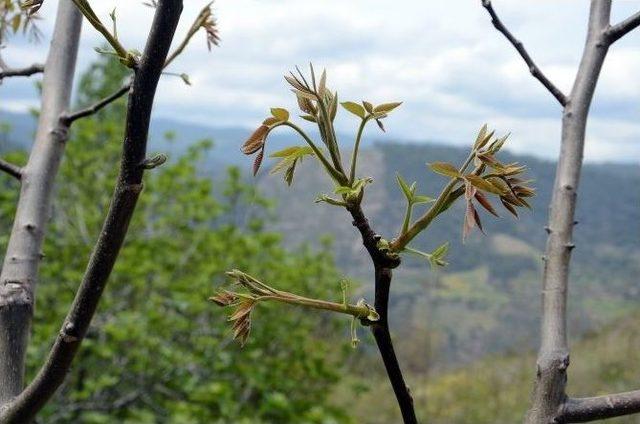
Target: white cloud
442,58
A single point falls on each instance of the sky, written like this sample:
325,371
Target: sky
443,59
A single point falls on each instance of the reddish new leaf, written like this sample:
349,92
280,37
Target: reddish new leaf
484,202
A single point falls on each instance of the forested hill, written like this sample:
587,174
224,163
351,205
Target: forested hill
487,299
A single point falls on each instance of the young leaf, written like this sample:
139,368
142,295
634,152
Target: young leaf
483,184
333,107
288,174
408,193
476,218
437,256
288,151
270,121
280,114
482,199
417,199
15,22
343,190
329,200
497,144
255,140
185,78
469,220
480,137
322,85
444,168
354,108
483,138
368,106
386,107
258,161
508,207
441,250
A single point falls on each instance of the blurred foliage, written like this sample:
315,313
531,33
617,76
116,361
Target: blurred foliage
157,351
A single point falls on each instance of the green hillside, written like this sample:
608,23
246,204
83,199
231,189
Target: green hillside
496,389
487,300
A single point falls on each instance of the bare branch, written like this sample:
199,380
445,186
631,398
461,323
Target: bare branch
549,394
583,410
36,68
18,278
24,407
68,118
619,30
533,68
11,169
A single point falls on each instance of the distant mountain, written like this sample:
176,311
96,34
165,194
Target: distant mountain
227,140
487,299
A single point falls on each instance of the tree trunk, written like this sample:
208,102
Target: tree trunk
24,251
553,359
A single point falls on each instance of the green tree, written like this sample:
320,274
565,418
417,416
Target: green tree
157,351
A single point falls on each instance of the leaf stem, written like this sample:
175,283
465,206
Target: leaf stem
331,136
407,218
93,19
336,175
356,146
423,222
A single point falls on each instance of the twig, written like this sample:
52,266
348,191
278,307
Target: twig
601,407
51,375
533,68
68,118
11,169
36,68
620,29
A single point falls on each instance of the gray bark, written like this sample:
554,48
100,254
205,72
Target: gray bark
550,403
549,394
20,268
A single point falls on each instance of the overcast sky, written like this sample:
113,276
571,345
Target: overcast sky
443,58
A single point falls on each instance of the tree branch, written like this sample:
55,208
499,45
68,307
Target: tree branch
619,30
11,169
36,68
383,263
51,375
69,118
19,272
533,68
580,410
549,394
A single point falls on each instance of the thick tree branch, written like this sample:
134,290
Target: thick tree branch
619,30
533,68
549,393
19,273
51,375
581,410
14,170
36,68
69,118
383,263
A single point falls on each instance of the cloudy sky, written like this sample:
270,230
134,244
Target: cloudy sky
442,58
